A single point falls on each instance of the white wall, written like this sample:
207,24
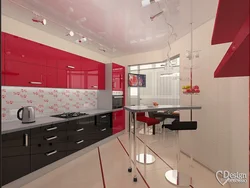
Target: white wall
15,27
221,141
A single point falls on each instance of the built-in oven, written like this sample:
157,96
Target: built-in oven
117,99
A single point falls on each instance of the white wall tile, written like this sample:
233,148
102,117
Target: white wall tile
46,101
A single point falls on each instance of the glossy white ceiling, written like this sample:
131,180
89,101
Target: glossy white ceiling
120,27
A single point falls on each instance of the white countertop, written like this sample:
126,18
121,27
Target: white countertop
151,108
13,126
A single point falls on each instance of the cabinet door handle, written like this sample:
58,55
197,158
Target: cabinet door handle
103,116
51,153
51,138
94,86
80,141
36,83
51,129
104,129
79,130
26,140
71,67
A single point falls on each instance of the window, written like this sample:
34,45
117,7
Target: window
147,66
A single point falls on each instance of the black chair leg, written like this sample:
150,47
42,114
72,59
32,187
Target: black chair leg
153,129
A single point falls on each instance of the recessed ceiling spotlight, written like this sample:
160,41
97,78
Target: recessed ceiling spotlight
145,3
42,20
70,33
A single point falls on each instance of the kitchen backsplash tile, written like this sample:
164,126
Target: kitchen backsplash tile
47,101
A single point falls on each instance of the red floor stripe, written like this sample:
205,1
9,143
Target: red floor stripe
100,159
160,157
133,163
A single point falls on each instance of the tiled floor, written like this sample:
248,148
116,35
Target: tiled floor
86,171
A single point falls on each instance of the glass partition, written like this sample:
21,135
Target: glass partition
159,88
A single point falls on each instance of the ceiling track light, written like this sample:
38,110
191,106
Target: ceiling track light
156,15
42,20
145,3
70,33
83,39
101,49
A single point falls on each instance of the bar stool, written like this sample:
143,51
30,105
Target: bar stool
176,177
145,158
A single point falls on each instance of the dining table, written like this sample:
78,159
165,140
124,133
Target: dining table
132,110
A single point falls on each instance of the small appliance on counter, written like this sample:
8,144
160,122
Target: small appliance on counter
117,99
28,114
70,115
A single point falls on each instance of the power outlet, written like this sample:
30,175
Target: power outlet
13,112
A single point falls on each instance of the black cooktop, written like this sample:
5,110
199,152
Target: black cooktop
70,115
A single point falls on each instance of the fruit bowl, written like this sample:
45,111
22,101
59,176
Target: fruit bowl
155,104
191,90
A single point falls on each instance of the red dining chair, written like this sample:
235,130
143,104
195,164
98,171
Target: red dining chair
141,117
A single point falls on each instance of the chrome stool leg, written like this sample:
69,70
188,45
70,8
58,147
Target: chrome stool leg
176,177
145,158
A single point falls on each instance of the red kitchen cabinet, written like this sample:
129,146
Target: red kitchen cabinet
51,77
118,77
94,74
27,63
23,50
69,71
62,77
2,59
23,74
118,121
101,76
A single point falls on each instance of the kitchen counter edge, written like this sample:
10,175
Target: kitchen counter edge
14,126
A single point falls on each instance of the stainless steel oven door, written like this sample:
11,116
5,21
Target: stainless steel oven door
117,101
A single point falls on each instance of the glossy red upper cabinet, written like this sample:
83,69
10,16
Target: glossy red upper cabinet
24,65
51,77
101,76
23,50
118,77
118,121
93,74
23,74
2,58
69,71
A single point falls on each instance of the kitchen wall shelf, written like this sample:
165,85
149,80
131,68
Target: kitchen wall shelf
230,17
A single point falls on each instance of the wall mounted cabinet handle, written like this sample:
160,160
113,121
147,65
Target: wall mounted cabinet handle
51,153
26,140
71,67
36,83
94,86
80,141
51,129
79,130
51,138
103,116
104,129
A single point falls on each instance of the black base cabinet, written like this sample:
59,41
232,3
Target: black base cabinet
15,167
40,160
27,151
